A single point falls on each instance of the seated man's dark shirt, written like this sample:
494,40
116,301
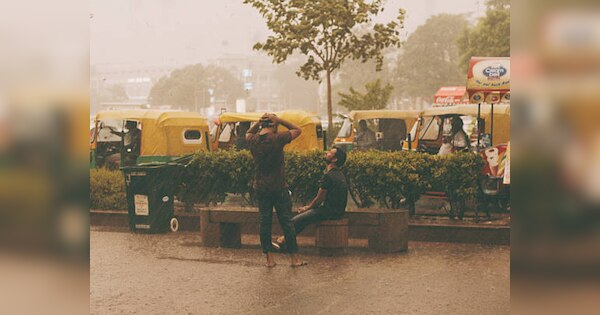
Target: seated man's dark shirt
336,198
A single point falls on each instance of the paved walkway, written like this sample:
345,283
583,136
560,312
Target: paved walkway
172,273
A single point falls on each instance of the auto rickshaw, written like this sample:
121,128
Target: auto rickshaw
44,185
491,143
230,130
435,123
391,128
164,136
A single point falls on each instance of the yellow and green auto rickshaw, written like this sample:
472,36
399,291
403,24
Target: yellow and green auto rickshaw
162,136
435,123
390,128
230,130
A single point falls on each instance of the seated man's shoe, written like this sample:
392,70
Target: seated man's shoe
279,244
276,246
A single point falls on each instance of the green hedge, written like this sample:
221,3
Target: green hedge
210,176
375,177
387,177
303,172
457,175
107,190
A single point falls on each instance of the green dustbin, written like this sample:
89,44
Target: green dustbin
150,190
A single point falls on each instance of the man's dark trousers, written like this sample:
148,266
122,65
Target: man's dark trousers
282,202
312,216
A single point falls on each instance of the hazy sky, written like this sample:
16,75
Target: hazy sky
182,31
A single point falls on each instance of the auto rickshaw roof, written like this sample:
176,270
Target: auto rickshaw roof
164,118
389,114
468,110
299,117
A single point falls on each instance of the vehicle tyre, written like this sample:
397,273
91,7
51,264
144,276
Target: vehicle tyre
174,225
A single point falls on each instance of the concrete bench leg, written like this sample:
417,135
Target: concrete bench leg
231,235
219,234
392,233
210,231
331,237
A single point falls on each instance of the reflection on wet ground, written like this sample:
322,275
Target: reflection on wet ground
172,273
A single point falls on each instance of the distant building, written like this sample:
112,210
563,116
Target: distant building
136,78
264,84
265,89
258,76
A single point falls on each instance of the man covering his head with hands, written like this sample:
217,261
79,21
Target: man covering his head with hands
266,145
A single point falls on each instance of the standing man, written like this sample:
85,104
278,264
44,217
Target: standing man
331,199
269,184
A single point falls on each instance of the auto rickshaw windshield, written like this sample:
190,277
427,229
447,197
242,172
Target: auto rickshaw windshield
346,129
104,133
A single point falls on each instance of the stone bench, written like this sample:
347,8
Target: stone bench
385,229
331,237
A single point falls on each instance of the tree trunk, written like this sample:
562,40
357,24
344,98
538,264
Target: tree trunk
329,105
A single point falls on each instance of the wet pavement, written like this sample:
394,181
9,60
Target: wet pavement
172,273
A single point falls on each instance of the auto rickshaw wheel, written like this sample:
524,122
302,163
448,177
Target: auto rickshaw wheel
174,225
504,203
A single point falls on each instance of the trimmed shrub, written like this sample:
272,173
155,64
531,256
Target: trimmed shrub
387,177
211,175
303,172
107,190
457,175
374,177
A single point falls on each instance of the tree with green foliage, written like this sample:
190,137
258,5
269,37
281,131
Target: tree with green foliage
354,73
490,37
430,57
191,87
375,97
327,32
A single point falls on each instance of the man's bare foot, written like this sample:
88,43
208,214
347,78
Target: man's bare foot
270,260
297,262
271,264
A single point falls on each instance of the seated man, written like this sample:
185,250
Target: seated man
331,199
365,137
131,142
456,141
240,131
460,140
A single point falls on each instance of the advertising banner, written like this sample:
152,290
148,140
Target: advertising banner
488,80
450,95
